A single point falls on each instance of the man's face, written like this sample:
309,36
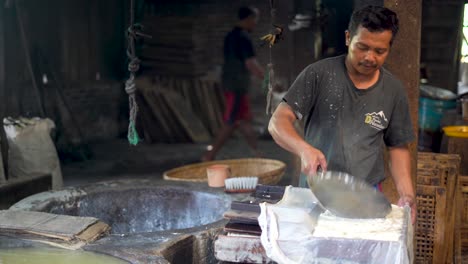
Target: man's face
251,22
367,50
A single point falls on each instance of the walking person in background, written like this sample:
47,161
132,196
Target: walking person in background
239,64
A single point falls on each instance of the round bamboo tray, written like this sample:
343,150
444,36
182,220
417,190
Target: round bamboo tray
268,171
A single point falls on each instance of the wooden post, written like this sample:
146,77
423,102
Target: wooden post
403,62
25,43
3,139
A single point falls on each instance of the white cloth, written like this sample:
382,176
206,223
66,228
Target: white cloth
294,231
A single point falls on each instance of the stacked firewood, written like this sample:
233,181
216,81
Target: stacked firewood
178,46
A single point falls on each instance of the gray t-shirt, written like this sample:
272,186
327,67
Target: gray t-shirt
350,126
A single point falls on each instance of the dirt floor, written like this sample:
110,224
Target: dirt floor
116,159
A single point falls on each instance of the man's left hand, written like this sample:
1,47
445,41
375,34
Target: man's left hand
410,201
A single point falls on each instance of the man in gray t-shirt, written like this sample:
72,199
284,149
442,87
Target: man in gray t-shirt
352,108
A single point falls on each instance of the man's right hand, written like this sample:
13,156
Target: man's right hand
311,159
281,128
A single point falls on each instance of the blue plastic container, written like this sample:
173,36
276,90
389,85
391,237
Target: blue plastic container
431,112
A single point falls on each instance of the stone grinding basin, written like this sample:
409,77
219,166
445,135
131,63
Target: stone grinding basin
153,221
134,207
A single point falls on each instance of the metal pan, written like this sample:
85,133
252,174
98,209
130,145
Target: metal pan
347,196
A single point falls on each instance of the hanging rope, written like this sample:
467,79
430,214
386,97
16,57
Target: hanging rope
133,67
270,75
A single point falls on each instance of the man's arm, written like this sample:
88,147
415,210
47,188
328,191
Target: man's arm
281,128
400,167
254,68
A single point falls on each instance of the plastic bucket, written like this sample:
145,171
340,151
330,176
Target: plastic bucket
431,112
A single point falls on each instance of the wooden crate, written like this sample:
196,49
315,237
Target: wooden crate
437,192
459,146
430,225
441,166
462,233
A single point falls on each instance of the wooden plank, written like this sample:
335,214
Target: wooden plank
211,102
457,245
3,177
440,236
94,49
158,109
175,69
176,42
450,214
218,103
196,101
65,47
221,101
207,97
84,44
147,122
168,21
201,106
186,93
27,53
425,234
189,121
2,60
205,111
459,146
148,98
73,20
3,100
163,53
176,129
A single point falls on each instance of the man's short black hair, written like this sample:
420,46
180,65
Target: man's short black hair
246,11
374,19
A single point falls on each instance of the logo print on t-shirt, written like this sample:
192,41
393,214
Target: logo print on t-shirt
376,119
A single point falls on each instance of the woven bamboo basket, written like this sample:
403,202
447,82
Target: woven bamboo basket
268,171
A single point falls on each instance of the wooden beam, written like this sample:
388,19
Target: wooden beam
3,139
2,56
27,54
403,62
